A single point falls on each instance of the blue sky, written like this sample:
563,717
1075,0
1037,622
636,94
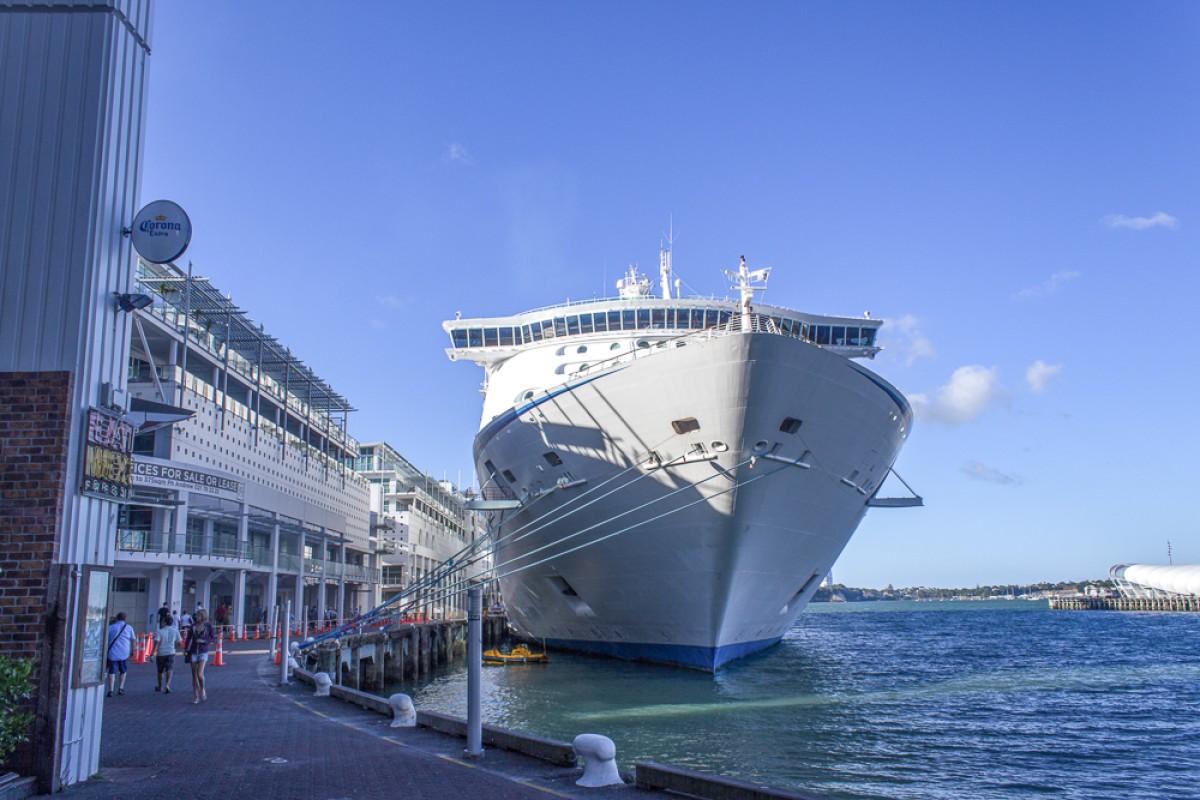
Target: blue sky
1013,185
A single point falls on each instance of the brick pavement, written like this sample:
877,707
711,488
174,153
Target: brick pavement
255,740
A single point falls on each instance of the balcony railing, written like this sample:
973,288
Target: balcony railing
167,543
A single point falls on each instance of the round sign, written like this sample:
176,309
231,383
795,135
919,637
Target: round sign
161,232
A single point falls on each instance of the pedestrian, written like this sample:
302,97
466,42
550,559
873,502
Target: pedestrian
120,640
222,614
166,640
164,612
185,623
200,639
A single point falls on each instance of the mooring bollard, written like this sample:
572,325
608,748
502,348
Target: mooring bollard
404,715
323,684
599,756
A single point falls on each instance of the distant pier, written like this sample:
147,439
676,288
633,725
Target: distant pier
1180,603
370,660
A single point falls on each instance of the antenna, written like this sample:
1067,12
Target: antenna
664,263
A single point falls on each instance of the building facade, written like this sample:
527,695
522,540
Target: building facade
244,497
72,105
421,524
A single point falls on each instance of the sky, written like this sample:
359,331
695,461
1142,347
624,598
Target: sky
1014,186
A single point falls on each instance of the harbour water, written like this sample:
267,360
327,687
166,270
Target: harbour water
994,699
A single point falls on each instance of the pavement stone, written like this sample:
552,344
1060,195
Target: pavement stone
254,739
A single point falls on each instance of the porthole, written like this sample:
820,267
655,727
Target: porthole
718,446
615,346
643,344
581,349
761,446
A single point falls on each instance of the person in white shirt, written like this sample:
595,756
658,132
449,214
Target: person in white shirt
120,643
166,641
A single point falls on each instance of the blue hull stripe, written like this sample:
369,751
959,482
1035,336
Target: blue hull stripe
498,424
705,658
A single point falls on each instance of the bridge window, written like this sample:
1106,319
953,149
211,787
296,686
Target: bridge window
839,334
658,318
475,337
643,318
601,322
585,323
506,337
560,326
460,337
489,337
822,334
572,326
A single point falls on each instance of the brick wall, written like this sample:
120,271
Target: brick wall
35,426
35,416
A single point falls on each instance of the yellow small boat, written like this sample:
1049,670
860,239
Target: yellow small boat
519,655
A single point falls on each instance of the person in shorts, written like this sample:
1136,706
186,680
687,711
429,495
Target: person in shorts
166,642
200,640
120,642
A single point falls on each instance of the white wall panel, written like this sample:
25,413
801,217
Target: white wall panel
72,102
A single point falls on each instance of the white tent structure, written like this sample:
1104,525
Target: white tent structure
1156,580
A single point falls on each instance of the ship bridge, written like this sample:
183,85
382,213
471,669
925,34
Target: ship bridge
492,339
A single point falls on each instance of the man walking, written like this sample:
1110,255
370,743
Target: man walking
166,642
120,639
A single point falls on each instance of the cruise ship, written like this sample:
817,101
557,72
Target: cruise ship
669,479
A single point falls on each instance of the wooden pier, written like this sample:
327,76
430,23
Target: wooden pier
408,652
1180,603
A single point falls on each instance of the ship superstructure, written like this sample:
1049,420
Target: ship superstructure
678,474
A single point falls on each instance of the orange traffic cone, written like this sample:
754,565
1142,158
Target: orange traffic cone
139,654
277,656
219,661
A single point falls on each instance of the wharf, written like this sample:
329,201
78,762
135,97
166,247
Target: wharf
1180,603
253,738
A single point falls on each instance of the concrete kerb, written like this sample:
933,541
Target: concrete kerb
554,752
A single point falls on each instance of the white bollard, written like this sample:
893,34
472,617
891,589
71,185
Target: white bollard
404,715
292,666
323,684
293,647
599,756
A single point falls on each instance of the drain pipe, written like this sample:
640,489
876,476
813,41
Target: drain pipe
474,667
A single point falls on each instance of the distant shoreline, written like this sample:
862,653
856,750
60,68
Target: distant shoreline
837,593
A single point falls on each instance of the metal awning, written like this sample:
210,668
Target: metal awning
147,415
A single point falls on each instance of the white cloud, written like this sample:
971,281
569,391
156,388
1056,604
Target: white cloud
909,340
457,154
392,301
982,472
1048,286
1160,219
1039,374
970,391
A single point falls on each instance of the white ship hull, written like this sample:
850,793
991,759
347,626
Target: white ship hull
712,555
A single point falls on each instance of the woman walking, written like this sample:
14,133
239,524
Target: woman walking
199,640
